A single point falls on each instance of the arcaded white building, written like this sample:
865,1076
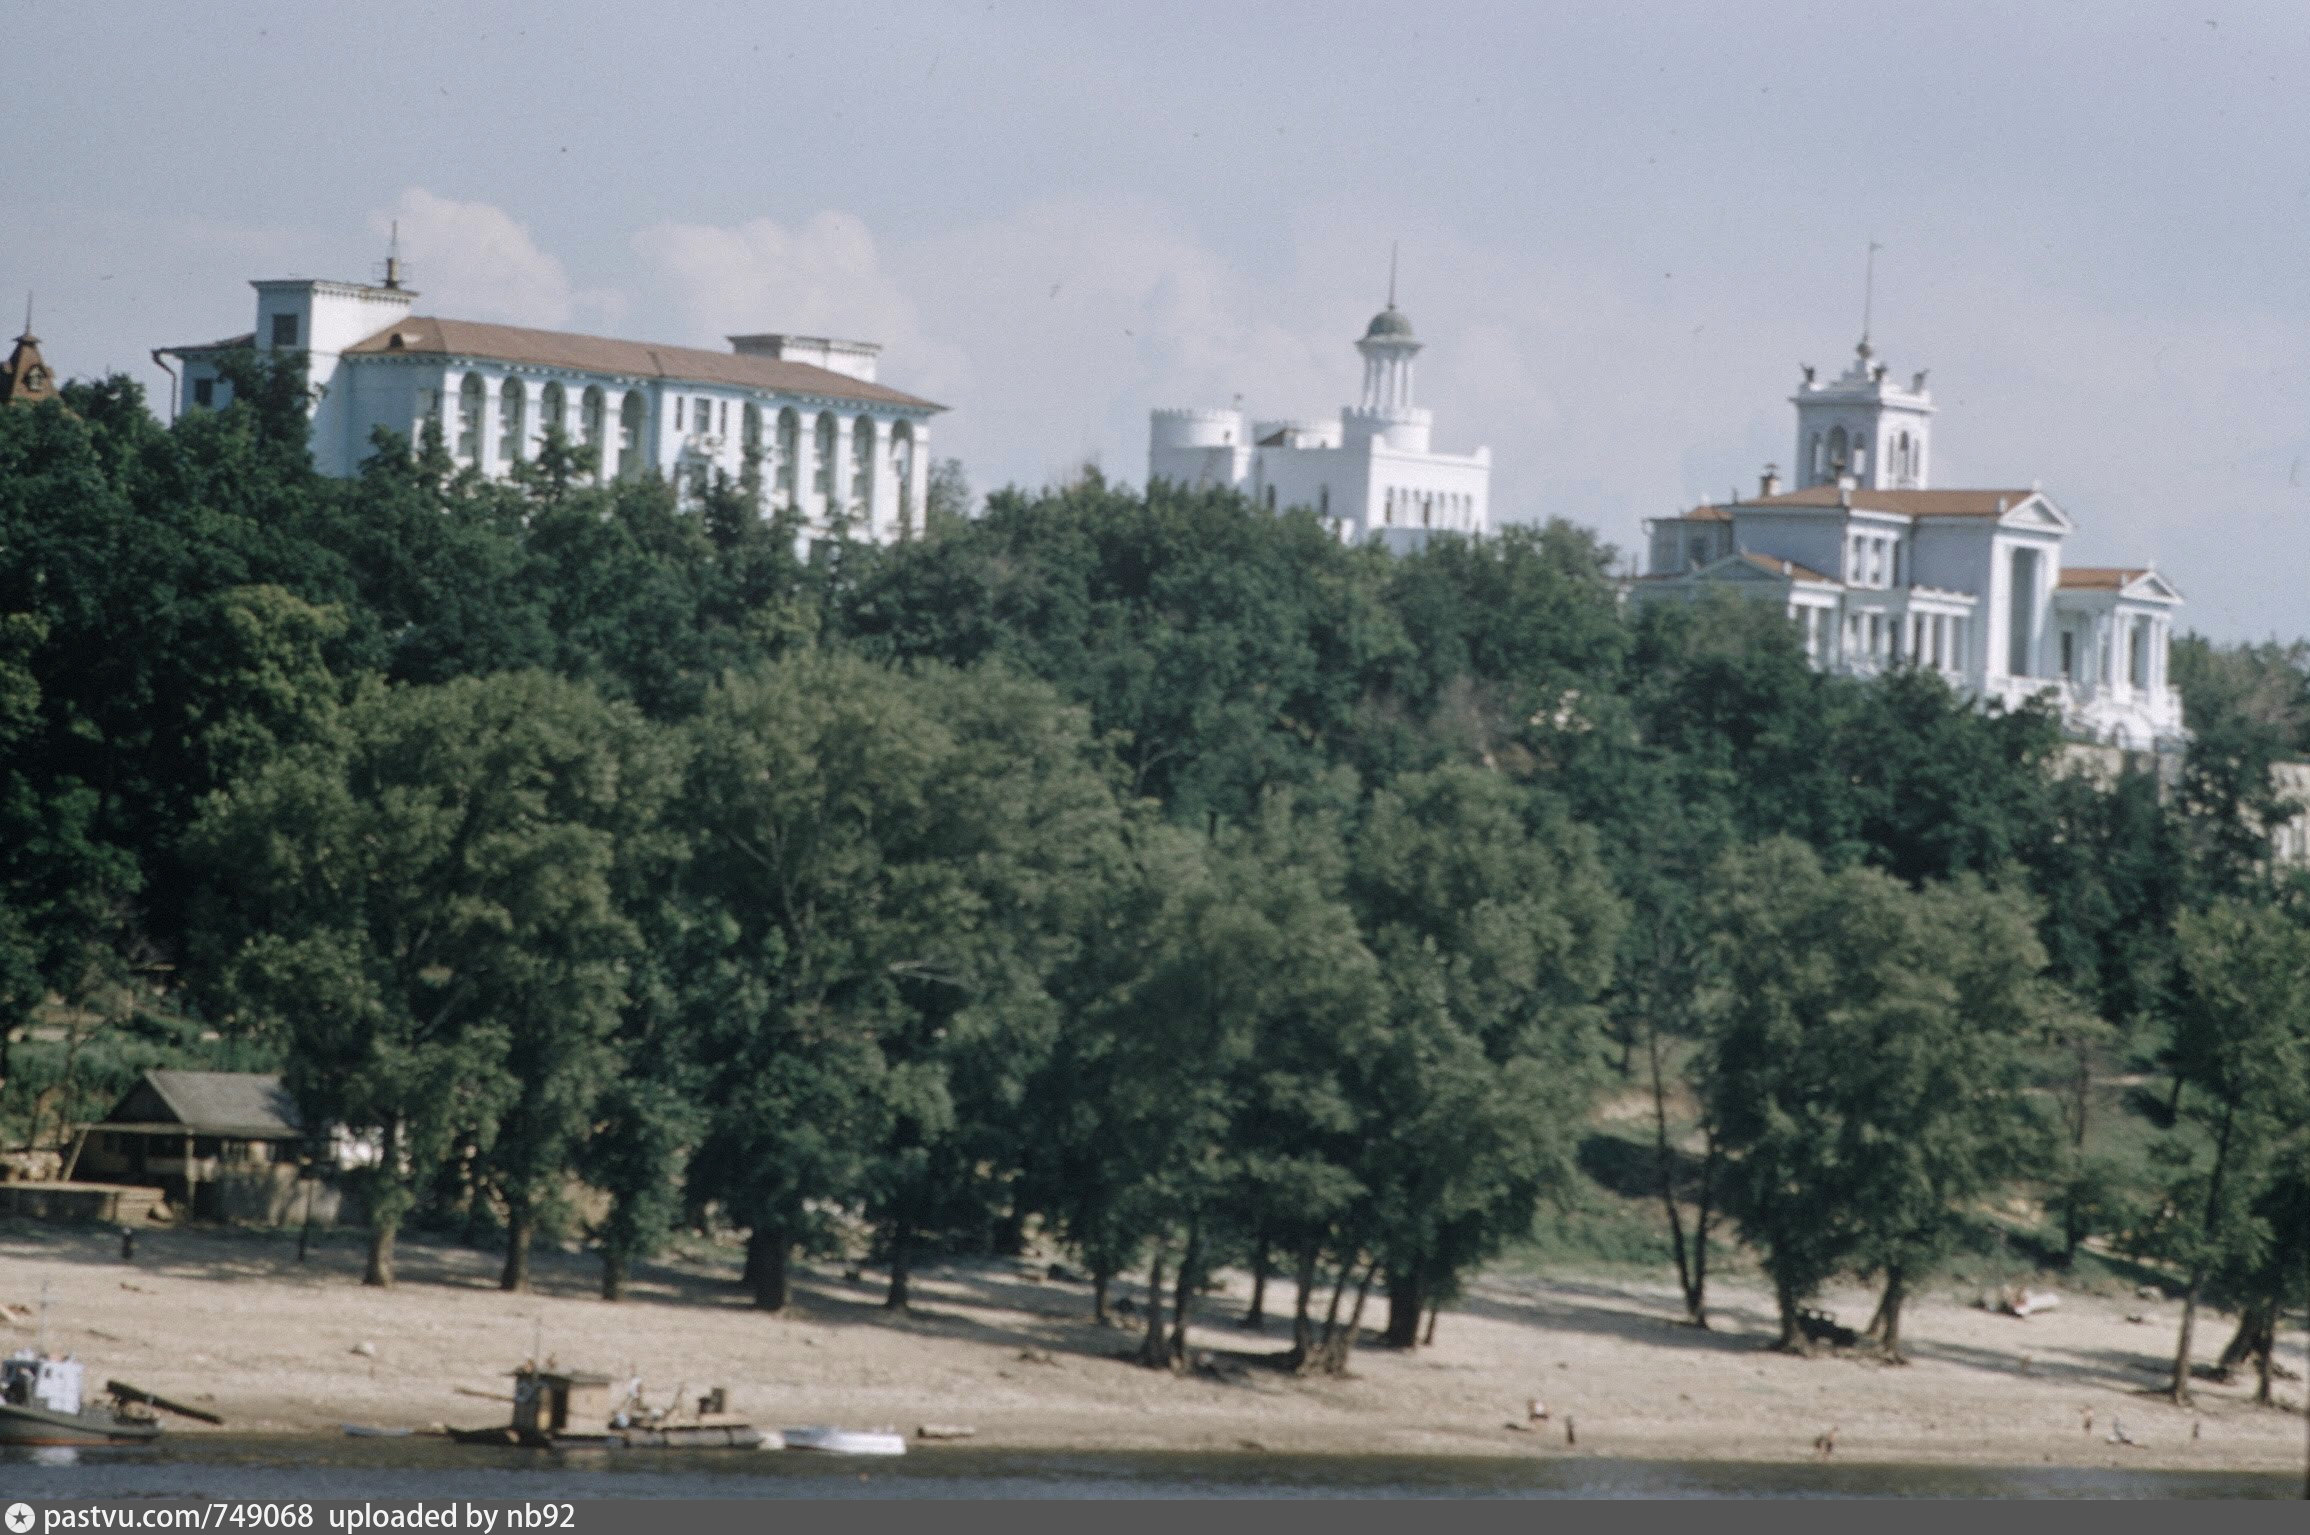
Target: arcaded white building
1371,475
1882,569
848,453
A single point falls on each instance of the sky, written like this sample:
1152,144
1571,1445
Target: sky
1622,227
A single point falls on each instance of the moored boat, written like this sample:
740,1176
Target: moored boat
845,1441
40,1403
570,1410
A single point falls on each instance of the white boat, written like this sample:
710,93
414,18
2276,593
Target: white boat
845,1441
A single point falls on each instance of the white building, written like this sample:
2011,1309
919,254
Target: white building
1882,570
848,453
1370,475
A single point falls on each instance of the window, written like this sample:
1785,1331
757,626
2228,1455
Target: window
2068,656
591,415
1839,454
704,415
471,395
862,469
2138,653
679,403
630,436
1323,501
512,420
822,464
552,409
204,391
789,454
750,428
2021,611
284,330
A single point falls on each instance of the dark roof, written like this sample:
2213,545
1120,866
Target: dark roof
25,379
1391,323
1907,503
426,335
247,1104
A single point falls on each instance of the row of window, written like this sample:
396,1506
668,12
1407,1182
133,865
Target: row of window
1457,508
1919,639
1838,452
1872,560
698,417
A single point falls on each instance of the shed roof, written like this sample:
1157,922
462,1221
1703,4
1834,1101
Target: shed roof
247,1104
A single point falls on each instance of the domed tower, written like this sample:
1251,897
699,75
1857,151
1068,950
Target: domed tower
1386,410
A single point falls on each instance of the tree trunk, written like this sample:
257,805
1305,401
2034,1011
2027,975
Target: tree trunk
1406,1300
1302,1325
767,1251
1338,1346
1099,1279
1792,1340
1151,1348
1183,1296
1887,1324
519,1223
1262,1262
613,1273
2181,1382
900,1267
380,1270
1429,1340
2240,1348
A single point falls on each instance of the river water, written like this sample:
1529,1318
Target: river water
223,1466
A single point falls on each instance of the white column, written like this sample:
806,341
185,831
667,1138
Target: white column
882,510
918,480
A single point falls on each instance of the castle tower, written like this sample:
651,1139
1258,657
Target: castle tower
25,379
1862,428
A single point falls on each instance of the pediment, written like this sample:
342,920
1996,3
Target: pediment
2034,513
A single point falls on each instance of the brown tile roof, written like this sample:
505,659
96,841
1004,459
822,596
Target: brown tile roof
1907,503
2100,578
1707,513
426,335
1781,567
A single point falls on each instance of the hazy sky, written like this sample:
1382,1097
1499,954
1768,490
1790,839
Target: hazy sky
1623,226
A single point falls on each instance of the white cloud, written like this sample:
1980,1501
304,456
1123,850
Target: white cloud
476,261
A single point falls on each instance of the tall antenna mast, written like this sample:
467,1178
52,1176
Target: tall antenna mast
1868,292
393,258
1391,280
28,312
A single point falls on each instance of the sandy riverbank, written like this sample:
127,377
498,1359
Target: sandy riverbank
230,1321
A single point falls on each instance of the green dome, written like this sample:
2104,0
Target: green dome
1390,323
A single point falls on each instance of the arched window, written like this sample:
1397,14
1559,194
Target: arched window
902,474
1840,458
789,456
552,409
512,420
822,462
591,414
472,396
630,436
862,469
750,428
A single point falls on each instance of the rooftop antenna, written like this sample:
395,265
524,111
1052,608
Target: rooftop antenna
28,315
1391,279
1868,293
393,258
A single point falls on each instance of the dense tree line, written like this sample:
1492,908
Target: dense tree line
1144,869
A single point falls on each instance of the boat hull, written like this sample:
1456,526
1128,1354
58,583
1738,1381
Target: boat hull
37,1425
680,1436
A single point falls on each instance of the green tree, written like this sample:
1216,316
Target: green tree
2242,1042
422,906
1492,918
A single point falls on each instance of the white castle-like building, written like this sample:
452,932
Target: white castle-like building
1371,475
850,455
1881,569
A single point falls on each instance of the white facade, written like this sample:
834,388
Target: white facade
849,454
1882,570
1370,476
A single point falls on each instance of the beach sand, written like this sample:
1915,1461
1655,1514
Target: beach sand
231,1322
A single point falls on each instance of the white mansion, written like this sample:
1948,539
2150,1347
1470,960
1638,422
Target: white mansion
1369,475
846,452
1881,569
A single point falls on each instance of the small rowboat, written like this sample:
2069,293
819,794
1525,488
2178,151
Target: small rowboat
845,1441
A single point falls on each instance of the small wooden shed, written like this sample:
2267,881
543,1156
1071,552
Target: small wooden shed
222,1144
